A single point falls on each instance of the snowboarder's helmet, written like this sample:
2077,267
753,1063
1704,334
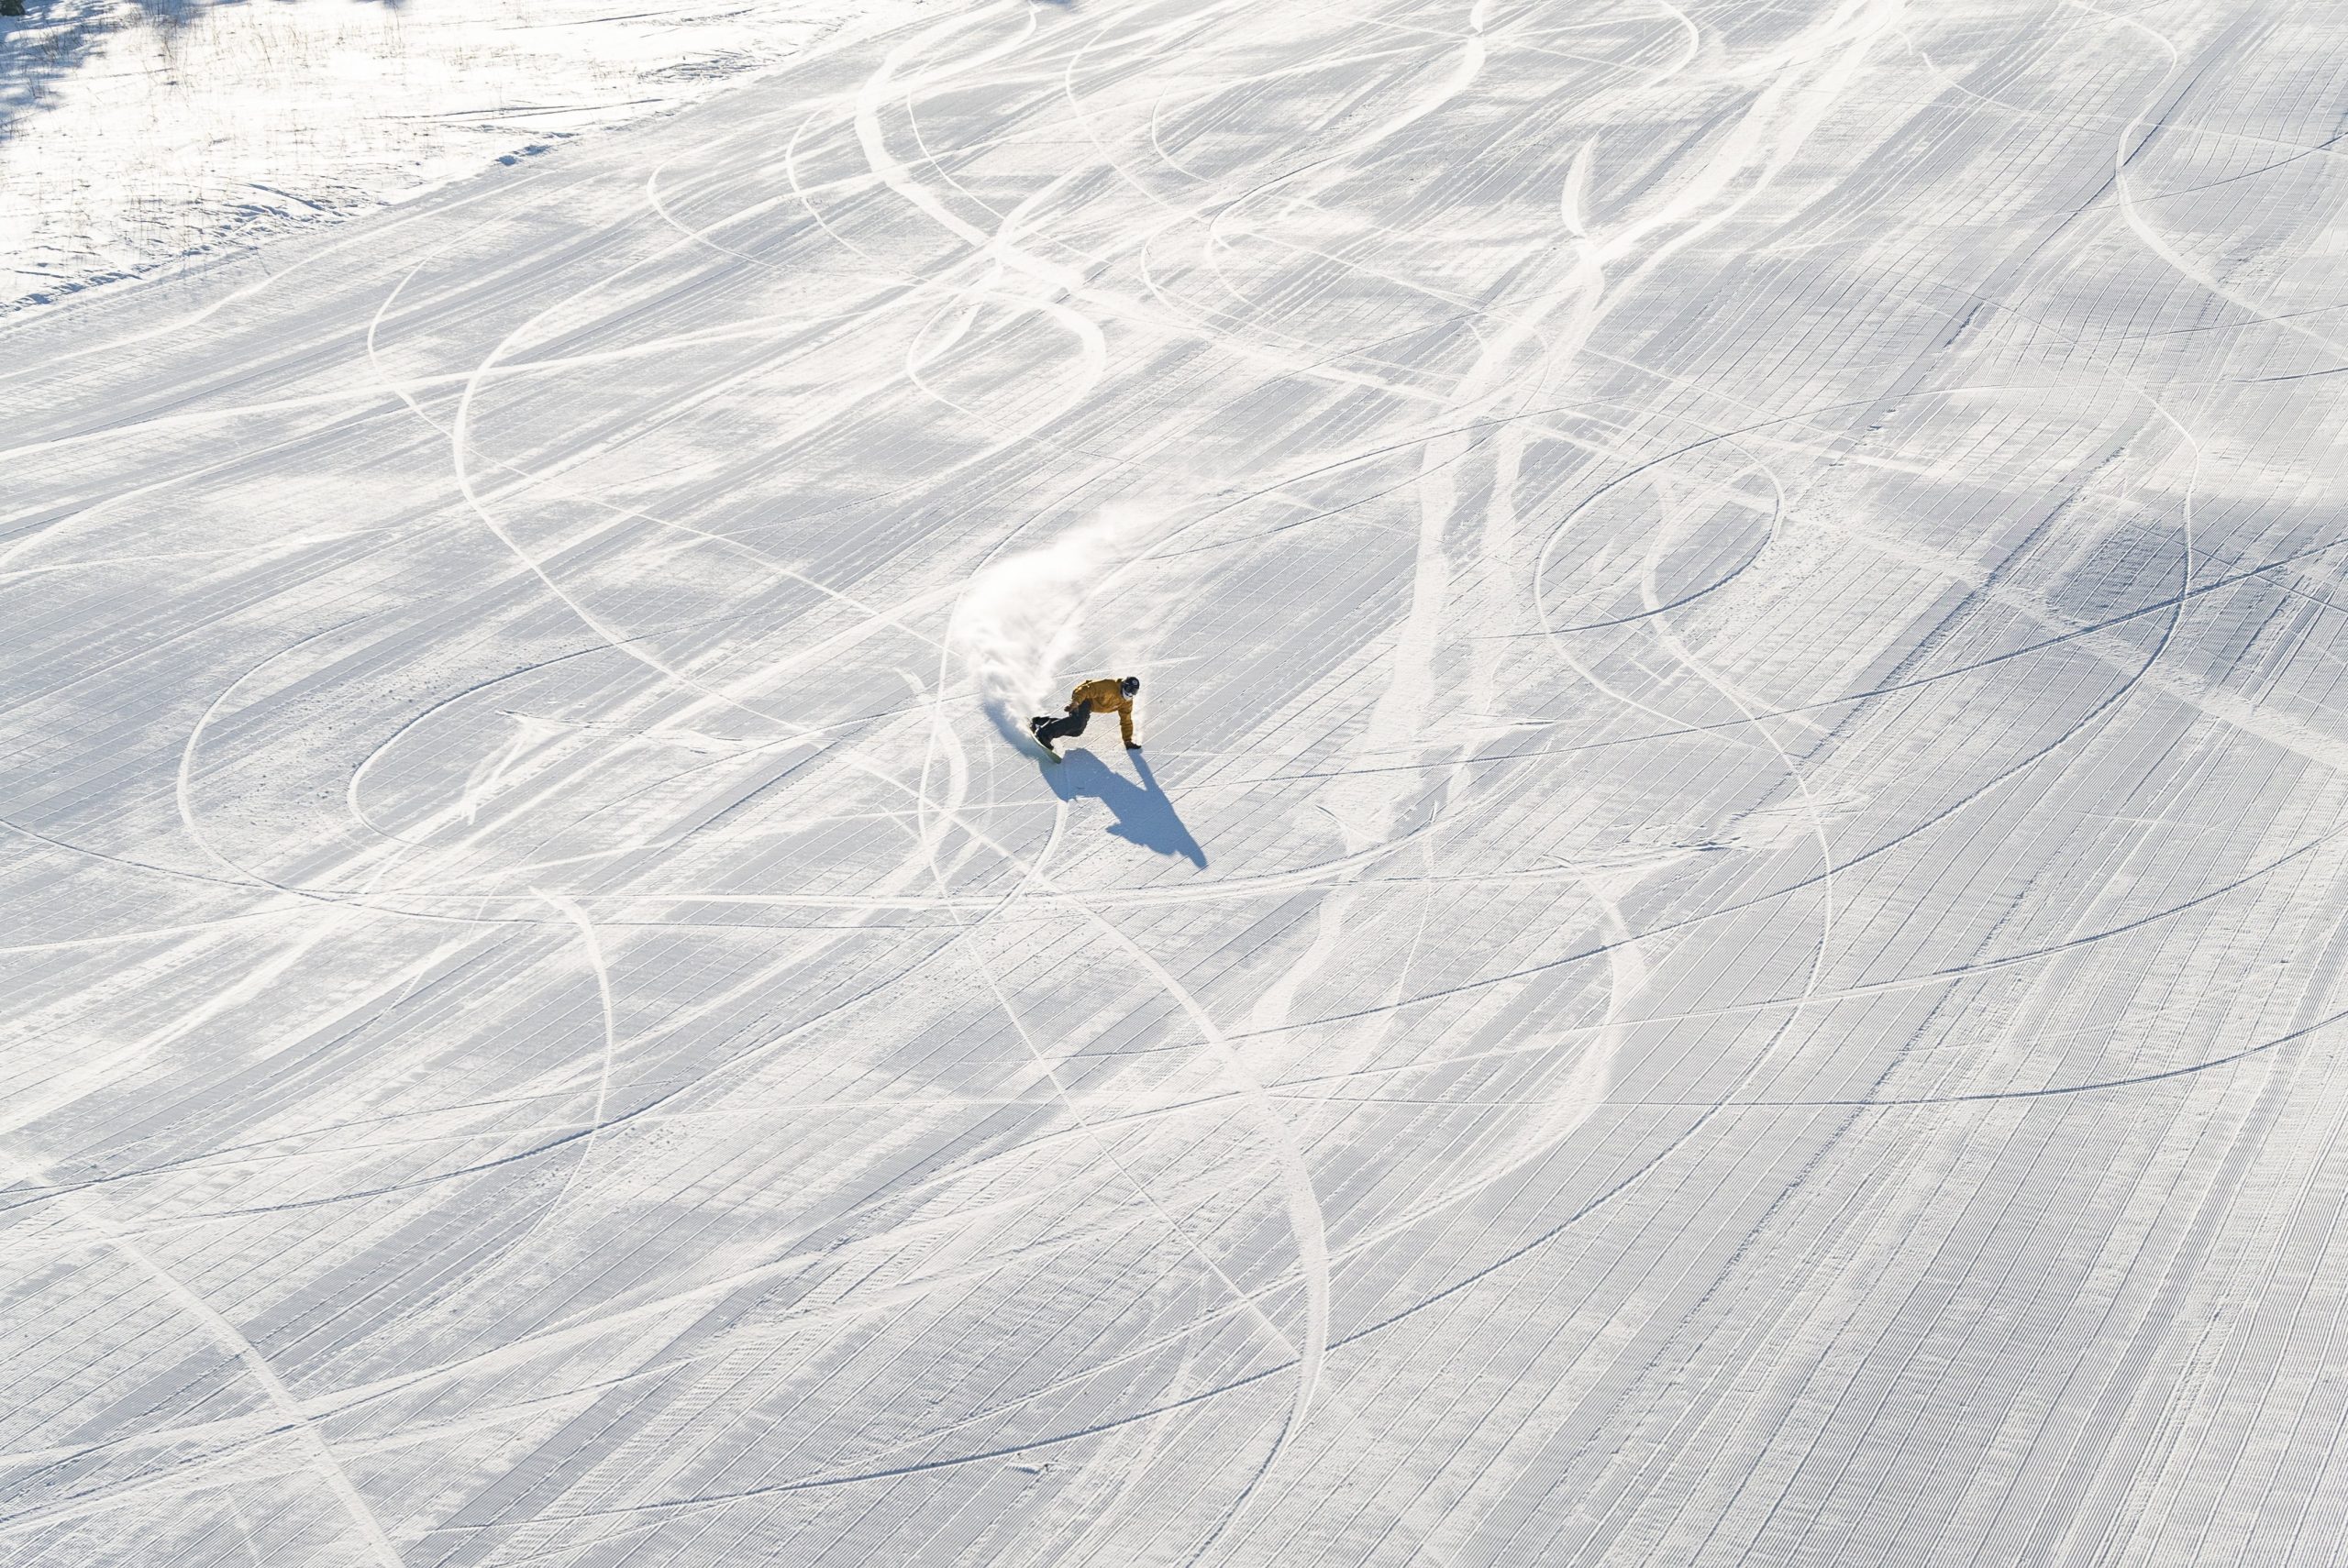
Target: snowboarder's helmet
1130,685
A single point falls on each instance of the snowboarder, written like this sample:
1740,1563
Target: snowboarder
1093,696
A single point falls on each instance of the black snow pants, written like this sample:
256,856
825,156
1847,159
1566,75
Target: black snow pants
1069,724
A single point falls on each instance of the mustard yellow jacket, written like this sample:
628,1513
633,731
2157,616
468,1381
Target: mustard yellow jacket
1106,697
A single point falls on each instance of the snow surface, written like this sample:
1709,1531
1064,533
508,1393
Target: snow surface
1728,948
134,132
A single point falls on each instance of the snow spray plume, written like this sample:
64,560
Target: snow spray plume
1021,622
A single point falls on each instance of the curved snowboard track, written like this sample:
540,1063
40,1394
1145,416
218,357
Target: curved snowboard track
1725,949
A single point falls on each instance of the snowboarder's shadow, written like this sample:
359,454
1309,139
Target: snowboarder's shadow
1145,816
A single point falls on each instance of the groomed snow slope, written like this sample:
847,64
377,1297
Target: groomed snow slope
1728,948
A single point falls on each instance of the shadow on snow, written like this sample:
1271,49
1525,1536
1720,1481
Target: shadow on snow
46,42
1145,816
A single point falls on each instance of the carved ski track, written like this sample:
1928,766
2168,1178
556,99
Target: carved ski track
1304,1212
255,1364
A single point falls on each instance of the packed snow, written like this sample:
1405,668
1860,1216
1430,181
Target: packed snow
1725,947
137,132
